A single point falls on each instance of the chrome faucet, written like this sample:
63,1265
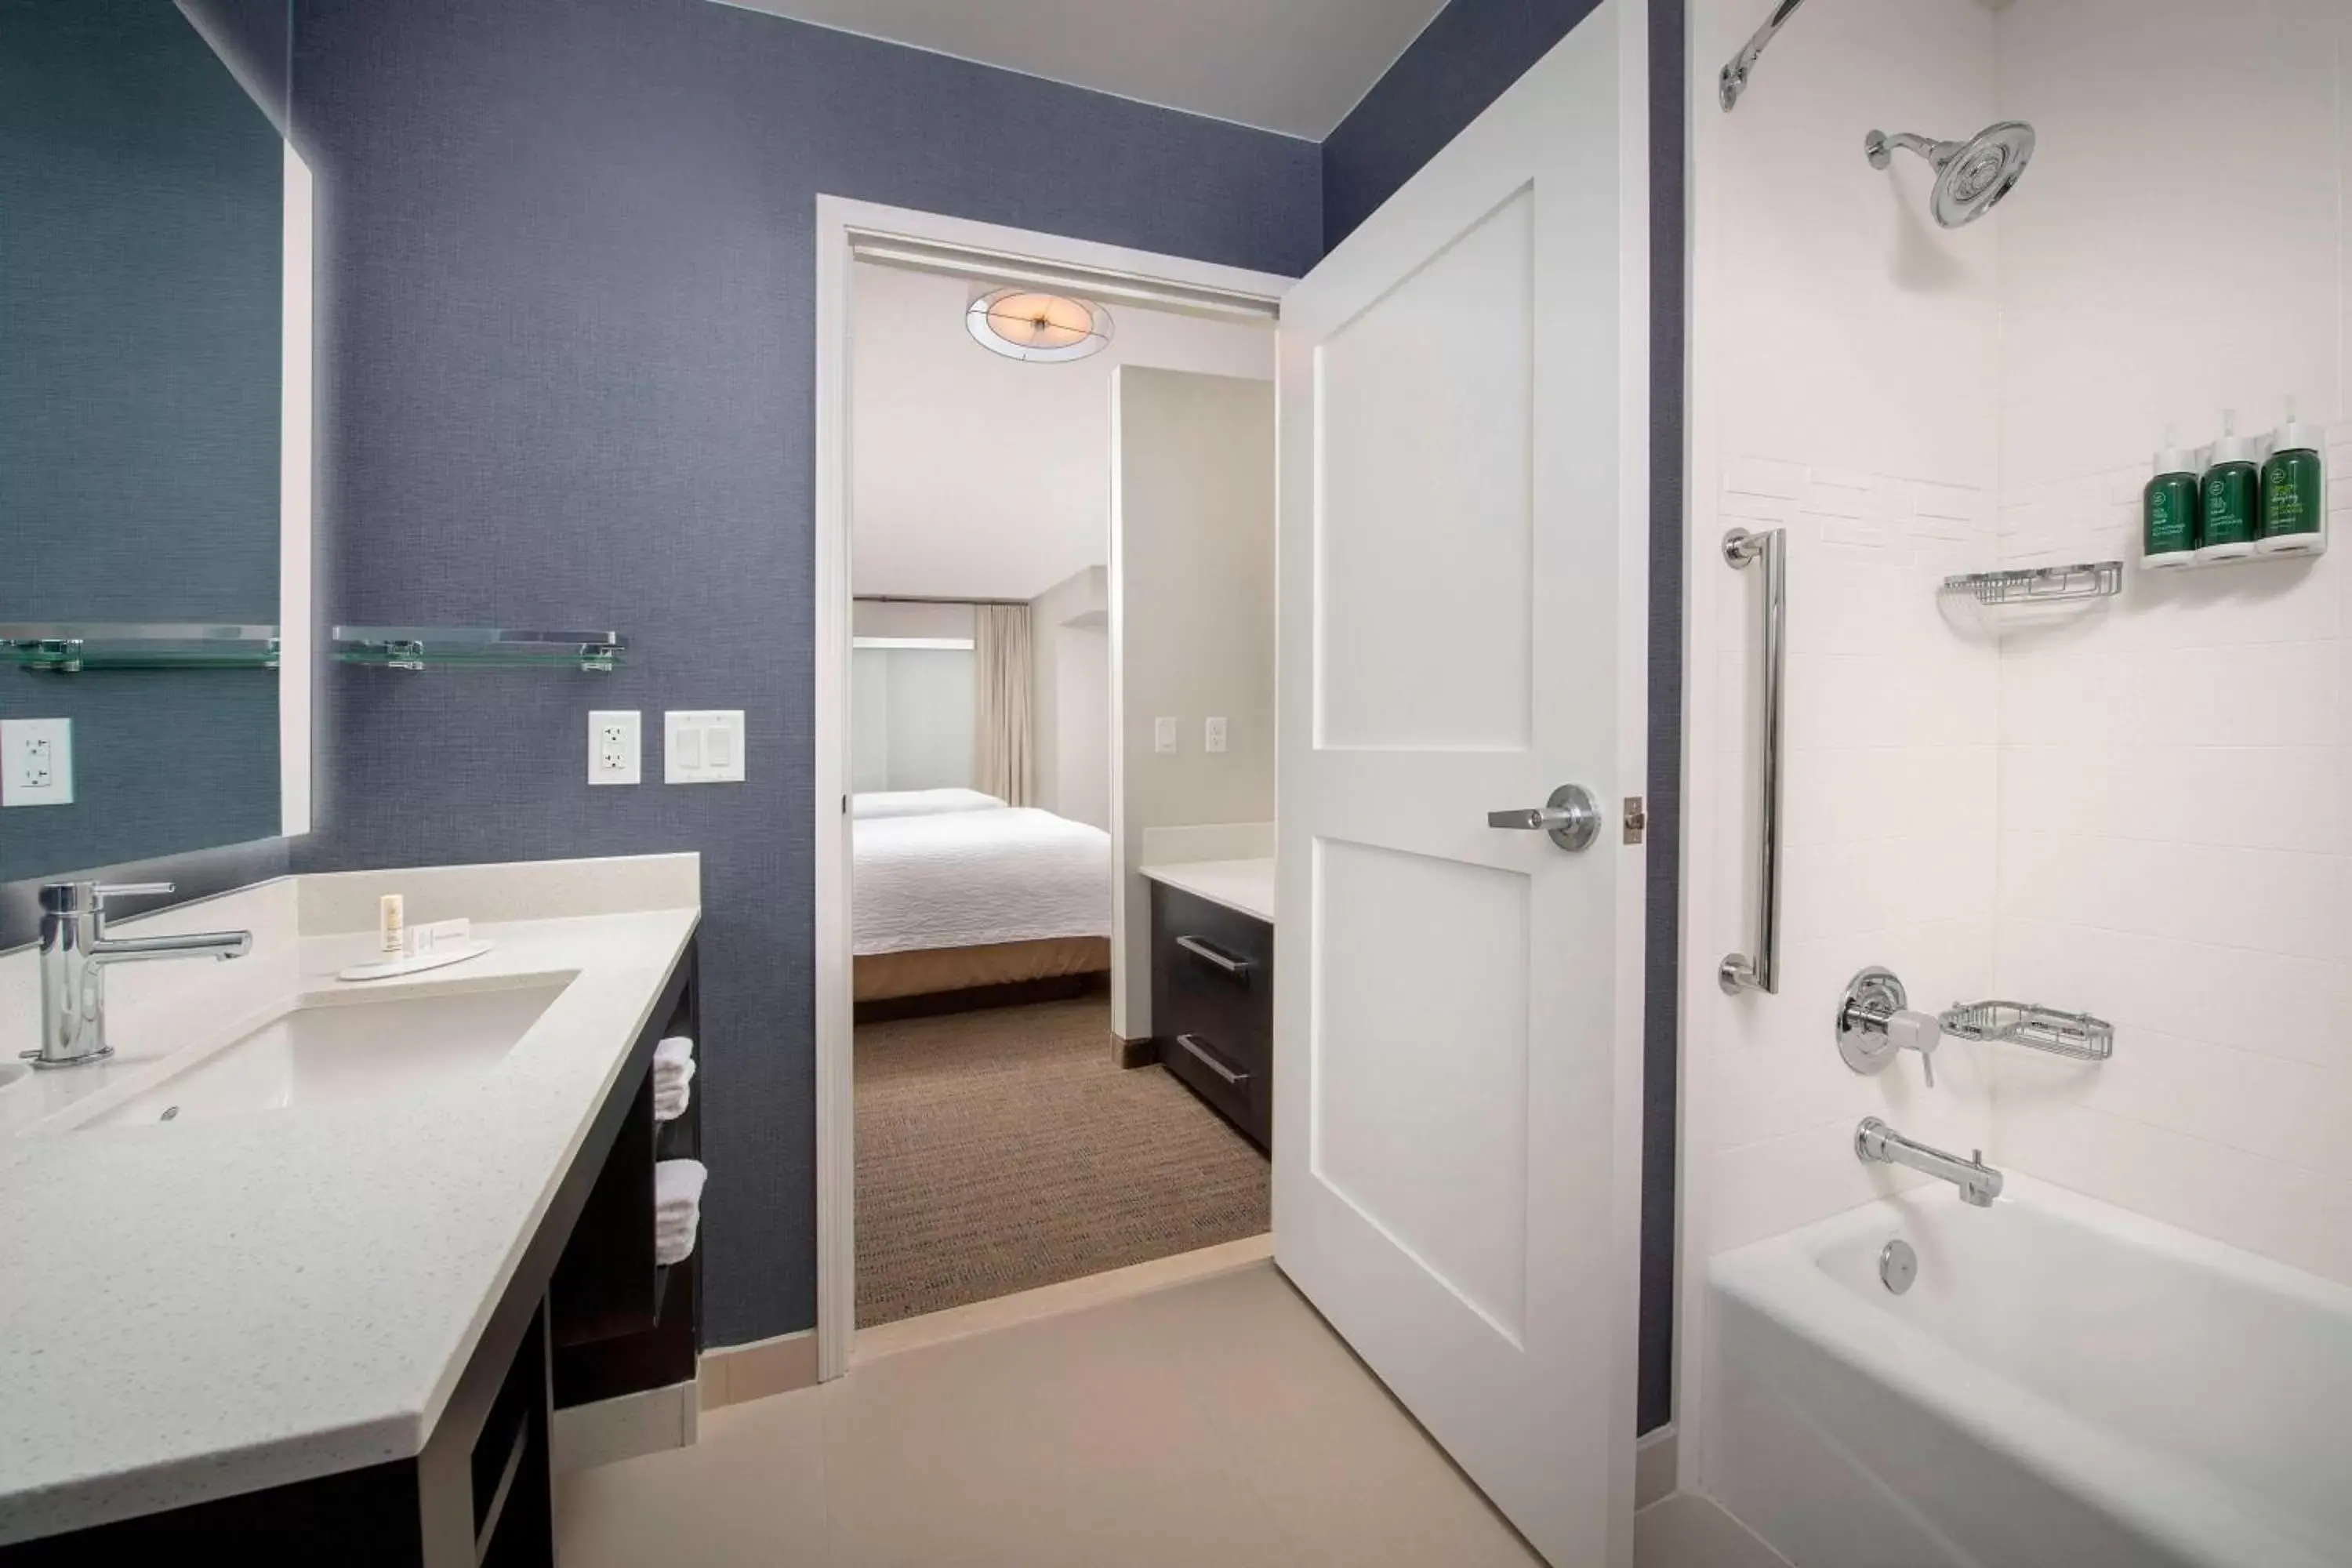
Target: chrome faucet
1979,1182
76,952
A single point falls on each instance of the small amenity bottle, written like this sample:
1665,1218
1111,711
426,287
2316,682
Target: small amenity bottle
2230,508
2295,504
2167,507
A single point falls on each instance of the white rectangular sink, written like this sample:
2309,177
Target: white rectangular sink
329,1052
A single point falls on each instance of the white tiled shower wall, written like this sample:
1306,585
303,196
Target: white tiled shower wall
2176,787
2145,811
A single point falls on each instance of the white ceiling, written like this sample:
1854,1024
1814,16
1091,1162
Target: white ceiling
1292,66
974,475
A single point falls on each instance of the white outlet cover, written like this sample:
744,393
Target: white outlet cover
615,748
37,761
1163,734
703,747
1214,735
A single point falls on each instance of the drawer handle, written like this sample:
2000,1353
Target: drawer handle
1218,956
1192,1044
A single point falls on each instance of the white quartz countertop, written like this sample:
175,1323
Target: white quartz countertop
1243,884
197,1310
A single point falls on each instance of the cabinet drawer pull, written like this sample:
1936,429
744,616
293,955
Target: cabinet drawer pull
1192,1043
1218,956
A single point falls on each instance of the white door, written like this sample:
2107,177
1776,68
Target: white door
1464,525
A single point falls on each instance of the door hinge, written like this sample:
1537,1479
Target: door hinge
1637,819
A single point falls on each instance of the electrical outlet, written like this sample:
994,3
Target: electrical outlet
35,762
614,752
1214,736
1163,734
703,747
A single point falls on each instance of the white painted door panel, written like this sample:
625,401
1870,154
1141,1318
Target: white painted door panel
1464,524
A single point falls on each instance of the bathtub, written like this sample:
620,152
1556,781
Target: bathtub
2065,1383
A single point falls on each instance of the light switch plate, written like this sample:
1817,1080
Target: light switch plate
1163,734
615,749
703,747
1214,735
35,762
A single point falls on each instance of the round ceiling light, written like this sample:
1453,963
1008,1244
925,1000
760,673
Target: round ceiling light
1044,328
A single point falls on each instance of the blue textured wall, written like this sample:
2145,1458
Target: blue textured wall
567,352
139,251
1468,55
1461,63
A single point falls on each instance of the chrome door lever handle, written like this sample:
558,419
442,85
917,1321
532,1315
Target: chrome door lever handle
1571,817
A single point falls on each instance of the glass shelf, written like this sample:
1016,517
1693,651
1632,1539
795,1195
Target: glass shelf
2040,585
477,648
63,647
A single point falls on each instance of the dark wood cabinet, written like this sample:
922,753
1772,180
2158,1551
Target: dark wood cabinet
1213,1006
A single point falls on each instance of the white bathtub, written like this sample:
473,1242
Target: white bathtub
2066,1384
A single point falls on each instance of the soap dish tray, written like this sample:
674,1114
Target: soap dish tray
414,963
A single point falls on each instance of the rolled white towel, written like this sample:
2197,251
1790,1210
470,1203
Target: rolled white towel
677,1209
673,1075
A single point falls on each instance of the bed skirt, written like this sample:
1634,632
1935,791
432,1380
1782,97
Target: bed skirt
882,976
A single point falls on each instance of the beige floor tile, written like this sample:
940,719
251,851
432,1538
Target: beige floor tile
1348,1476
1688,1531
1216,1423
1072,1440
752,1490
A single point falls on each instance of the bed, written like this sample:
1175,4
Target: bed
954,897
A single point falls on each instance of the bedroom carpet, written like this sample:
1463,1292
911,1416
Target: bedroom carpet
1002,1150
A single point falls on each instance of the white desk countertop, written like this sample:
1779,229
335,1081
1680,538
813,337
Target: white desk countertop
194,1311
1246,886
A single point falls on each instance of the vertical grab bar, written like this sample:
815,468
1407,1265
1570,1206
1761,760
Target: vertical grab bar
1761,970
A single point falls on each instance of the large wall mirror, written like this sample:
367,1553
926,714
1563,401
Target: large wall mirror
154,433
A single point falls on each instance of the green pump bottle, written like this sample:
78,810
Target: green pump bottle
2295,500
2231,498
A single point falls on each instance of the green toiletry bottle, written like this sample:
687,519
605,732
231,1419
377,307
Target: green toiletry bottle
2294,503
2167,507
2231,507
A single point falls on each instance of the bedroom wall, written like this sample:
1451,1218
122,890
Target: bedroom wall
1192,628
566,316
1070,695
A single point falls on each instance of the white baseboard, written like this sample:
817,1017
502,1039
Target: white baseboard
622,1428
731,1375
1654,1466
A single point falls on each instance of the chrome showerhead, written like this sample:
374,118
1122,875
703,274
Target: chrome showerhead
1971,176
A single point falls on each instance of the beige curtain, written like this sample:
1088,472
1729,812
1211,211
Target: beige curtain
1003,743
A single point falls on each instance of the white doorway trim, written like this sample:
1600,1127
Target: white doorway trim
843,226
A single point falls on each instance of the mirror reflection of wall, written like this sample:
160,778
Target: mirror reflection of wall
144,402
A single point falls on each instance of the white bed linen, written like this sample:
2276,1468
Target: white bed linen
919,801
967,879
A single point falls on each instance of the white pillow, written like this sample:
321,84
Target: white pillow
920,803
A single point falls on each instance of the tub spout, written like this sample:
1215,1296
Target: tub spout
1979,1182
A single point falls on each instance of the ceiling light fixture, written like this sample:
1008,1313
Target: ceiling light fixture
1041,328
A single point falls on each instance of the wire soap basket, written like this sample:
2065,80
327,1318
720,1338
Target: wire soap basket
2040,585
2076,1036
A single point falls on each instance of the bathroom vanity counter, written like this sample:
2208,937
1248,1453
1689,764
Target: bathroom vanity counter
250,1298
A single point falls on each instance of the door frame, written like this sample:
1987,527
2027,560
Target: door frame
927,241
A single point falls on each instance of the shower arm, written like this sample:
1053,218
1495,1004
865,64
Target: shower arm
1734,81
1880,148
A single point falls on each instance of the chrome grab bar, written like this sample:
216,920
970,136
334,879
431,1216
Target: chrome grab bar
1222,960
1760,968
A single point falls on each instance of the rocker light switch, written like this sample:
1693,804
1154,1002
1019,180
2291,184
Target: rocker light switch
1163,734
703,747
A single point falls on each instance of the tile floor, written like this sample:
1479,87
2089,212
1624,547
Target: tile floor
1218,1422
